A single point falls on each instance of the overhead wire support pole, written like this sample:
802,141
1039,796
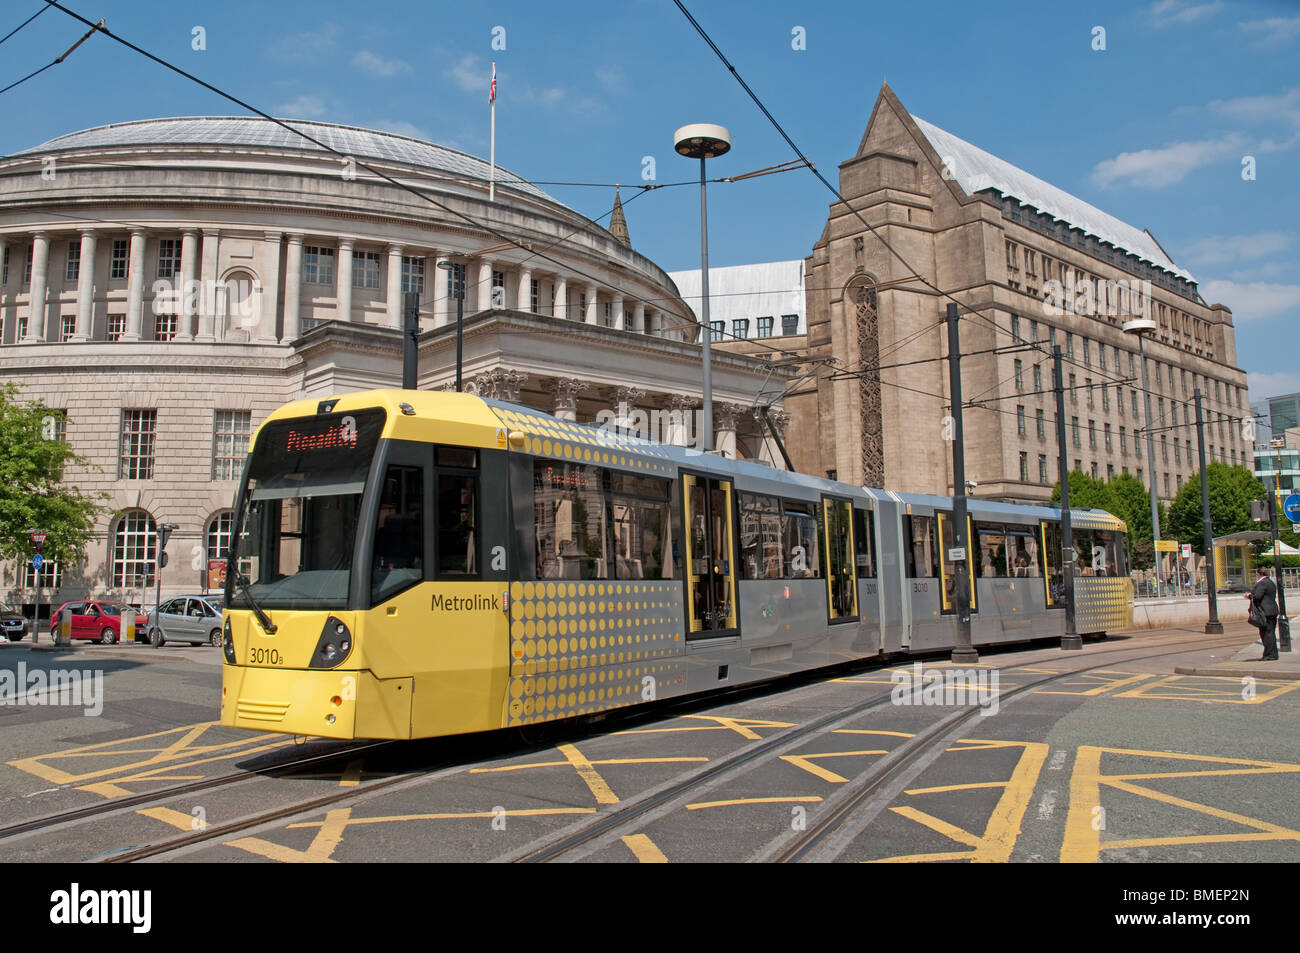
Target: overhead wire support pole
1071,640
1212,625
963,651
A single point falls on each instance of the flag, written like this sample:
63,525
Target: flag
492,91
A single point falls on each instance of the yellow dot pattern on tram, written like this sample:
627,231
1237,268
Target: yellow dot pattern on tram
582,647
1103,603
563,440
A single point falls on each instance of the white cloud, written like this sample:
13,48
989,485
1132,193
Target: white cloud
1284,106
378,65
309,45
1275,31
304,107
1222,249
473,75
1167,12
1265,384
612,78
470,74
401,127
1156,168
1251,300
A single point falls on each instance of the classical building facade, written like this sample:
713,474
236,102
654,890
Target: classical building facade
165,284
1031,266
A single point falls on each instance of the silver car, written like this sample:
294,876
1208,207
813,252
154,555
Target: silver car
192,619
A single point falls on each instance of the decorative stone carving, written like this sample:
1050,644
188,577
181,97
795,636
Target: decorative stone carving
862,293
567,390
500,383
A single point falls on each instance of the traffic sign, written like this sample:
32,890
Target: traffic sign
37,562
38,540
1187,551
1292,507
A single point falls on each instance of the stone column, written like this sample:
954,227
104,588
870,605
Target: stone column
443,308
681,420
779,420
620,319
135,287
561,297
36,295
344,293
187,297
483,301
590,316
270,289
394,286
638,317
293,290
526,290
208,286
567,391
724,440
86,287
626,414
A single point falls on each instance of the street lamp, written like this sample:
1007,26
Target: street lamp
1139,326
447,265
704,141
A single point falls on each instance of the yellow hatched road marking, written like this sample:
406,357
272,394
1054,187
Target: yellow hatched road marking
1106,684
805,761
741,726
560,764
177,819
1228,694
1083,843
644,849
1003,827
319,851
590,776
873,731
451,816
811,799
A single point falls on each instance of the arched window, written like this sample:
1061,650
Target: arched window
219,535
135,550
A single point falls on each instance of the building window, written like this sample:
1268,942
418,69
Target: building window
1033,332
1092,434
169,258
117,263
1108,436
456,283
48,578
1012,257
609,310
219,535
164,328
365,269
1087,359
1051,338
1020,419
73,270
1039,423
27,269
1015,328
765,326
789,324
740,328
716,330
116,326
1166,484
1038,377
534,294
1078,465
1020,376
1131,364
1110,472
1094,469
4,267
67,327
317,265
22,327
135,549
1123,440
1087,383
1069,344
1042,468
1134,395
230,431
135,457
1074,425
1164,449
413,276
1024,467
1074,392
1101,355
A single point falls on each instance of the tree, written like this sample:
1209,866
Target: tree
1086,493
1132,505
32,492
1125,497
1231,490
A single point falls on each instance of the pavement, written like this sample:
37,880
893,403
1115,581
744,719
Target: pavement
1246,662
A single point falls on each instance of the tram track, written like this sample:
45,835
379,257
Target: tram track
664,799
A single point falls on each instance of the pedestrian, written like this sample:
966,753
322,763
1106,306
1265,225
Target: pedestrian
1263,606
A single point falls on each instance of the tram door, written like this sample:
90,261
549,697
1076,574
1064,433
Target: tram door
841,579
948,566
710,566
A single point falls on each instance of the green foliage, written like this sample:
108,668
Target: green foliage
1231,490
1086,493
1125,497
32,492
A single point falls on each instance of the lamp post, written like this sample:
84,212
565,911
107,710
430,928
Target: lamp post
447,265
1139,326
704,141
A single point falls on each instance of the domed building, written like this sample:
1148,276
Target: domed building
165,284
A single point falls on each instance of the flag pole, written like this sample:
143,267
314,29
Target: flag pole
492,149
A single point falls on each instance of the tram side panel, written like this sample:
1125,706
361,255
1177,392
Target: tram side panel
892,586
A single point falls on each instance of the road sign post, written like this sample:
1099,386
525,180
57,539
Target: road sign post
38,537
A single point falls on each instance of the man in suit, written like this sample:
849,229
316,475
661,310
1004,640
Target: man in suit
1264,597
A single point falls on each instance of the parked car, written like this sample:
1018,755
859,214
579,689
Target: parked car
192,619
99,620
12,623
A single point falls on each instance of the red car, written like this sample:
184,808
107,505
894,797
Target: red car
100,620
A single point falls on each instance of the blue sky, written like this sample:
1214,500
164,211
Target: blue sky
1152,129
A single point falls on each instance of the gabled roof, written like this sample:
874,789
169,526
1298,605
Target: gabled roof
976,170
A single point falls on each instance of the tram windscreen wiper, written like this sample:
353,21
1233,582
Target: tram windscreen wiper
247,589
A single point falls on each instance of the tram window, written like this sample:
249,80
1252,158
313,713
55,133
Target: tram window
457,525
399,533
1022,552
993,550
642,530
570,521
761,551
464,458
1097,553
922,548
799,531
838,516
864,524
1055,581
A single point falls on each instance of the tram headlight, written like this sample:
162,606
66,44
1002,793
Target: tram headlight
334,644
228,643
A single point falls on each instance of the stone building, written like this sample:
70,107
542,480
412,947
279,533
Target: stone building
165,284
1029,264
